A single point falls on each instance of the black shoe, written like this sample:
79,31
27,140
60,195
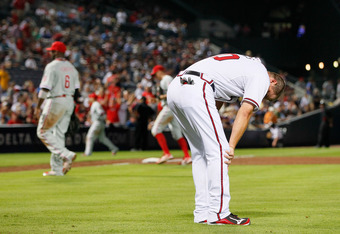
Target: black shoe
232,219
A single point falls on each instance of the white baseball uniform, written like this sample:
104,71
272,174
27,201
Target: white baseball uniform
191,97
97,129
61,79
165,116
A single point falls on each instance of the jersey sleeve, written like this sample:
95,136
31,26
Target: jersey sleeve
47,79
255,90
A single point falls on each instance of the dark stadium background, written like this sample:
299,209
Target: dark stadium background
320,43
250,27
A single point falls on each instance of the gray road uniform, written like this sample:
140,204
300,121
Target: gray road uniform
97,130
165,116
61,79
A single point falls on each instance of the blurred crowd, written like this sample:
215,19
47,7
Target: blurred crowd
114,47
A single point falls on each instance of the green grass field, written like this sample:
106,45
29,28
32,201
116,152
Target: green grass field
152,198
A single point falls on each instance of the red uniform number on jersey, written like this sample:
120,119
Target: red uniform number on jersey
226,57
67,81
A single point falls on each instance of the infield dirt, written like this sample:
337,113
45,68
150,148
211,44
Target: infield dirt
236,161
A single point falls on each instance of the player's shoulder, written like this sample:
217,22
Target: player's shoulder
50,65
94,104
54,63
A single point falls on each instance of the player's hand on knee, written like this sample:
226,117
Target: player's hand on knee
229,155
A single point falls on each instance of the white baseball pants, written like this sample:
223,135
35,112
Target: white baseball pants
194,107
97,131
52,126
164,118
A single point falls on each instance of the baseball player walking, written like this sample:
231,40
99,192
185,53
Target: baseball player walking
165,117
97,129
195,96
58,90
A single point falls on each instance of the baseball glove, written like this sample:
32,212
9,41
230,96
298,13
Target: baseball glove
74,125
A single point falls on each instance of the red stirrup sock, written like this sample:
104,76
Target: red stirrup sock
162,143
184,146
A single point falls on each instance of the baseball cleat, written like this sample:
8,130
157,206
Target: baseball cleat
186,161
51,173
165,158
114,152
231,219
68,164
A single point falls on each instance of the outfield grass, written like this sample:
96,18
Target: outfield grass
160,199
291,152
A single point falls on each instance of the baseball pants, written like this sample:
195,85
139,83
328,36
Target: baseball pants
164,118
52,126
97,131
194,107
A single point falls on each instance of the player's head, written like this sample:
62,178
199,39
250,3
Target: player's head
57,49
276,87
322,104
157,70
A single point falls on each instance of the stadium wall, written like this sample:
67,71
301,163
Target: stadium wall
23,138
303,130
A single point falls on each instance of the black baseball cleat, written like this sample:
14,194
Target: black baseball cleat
231,219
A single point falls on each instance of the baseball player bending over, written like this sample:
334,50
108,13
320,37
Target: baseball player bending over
195,96
97,129
58,90
165,117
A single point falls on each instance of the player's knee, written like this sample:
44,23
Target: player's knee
176,136
89,138
154,131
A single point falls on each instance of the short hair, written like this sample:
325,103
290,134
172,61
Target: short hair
281,83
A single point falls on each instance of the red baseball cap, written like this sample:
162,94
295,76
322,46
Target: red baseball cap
156,69
93,95
57,46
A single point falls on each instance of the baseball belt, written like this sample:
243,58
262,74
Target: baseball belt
185,80
64,95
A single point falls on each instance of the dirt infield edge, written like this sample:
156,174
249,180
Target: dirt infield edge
236,161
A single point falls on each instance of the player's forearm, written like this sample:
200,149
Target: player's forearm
239,127
240,124
40,101
42,95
